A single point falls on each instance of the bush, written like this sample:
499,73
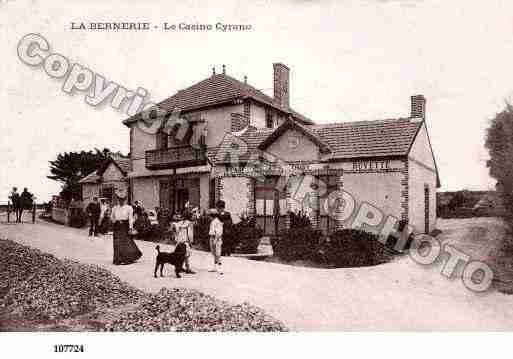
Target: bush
299,220
354,248
300,241
344,248
246,236
298,244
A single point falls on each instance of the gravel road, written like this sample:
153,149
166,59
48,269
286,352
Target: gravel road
400,295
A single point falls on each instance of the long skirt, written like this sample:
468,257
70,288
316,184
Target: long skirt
125,249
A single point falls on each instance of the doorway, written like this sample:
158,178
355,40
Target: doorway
176,193
270,206
426,208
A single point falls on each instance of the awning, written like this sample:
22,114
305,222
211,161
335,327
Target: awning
169,172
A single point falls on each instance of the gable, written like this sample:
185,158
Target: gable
293,145
421,149
112,173
421,152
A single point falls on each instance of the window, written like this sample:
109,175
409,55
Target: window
107,192
269,119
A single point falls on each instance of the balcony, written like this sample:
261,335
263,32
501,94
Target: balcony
182,156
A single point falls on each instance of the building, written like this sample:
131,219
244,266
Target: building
239,144
103,182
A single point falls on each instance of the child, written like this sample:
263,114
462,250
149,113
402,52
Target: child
183,234
216,239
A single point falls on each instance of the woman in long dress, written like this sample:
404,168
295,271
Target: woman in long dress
125,249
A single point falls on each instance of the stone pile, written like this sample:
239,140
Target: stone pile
38,288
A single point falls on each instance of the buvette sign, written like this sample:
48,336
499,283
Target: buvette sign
371,165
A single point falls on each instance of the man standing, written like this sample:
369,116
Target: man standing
215,234
226,218
93,211
26,202
104,216
15,200
138,210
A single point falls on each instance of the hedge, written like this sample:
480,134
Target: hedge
243,237
343,248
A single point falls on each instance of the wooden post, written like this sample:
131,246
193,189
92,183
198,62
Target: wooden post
34,213
8,211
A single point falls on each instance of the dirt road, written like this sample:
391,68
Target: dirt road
400,295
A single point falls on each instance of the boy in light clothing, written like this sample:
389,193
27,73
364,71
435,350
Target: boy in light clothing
216,239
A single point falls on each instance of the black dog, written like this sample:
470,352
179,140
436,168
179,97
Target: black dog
175,258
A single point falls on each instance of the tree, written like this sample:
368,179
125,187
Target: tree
70,167
499,142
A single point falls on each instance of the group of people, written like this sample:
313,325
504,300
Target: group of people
123,218
20,202
99,213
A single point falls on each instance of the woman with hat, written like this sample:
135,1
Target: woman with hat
125,249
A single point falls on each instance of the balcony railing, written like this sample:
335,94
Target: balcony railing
174,157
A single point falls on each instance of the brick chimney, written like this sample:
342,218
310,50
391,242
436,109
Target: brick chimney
281,84
418,106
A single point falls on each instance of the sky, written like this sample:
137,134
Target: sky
349,61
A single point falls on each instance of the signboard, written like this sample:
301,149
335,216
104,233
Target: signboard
371,165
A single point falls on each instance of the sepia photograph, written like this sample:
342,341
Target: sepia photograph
290,167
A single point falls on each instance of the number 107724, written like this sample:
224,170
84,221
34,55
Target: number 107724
68,348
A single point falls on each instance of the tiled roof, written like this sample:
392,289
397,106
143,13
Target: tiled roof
252,137
368,138
345,140
214,90
122,162
90,178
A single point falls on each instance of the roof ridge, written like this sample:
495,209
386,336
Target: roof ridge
218,89
363,122
244,85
